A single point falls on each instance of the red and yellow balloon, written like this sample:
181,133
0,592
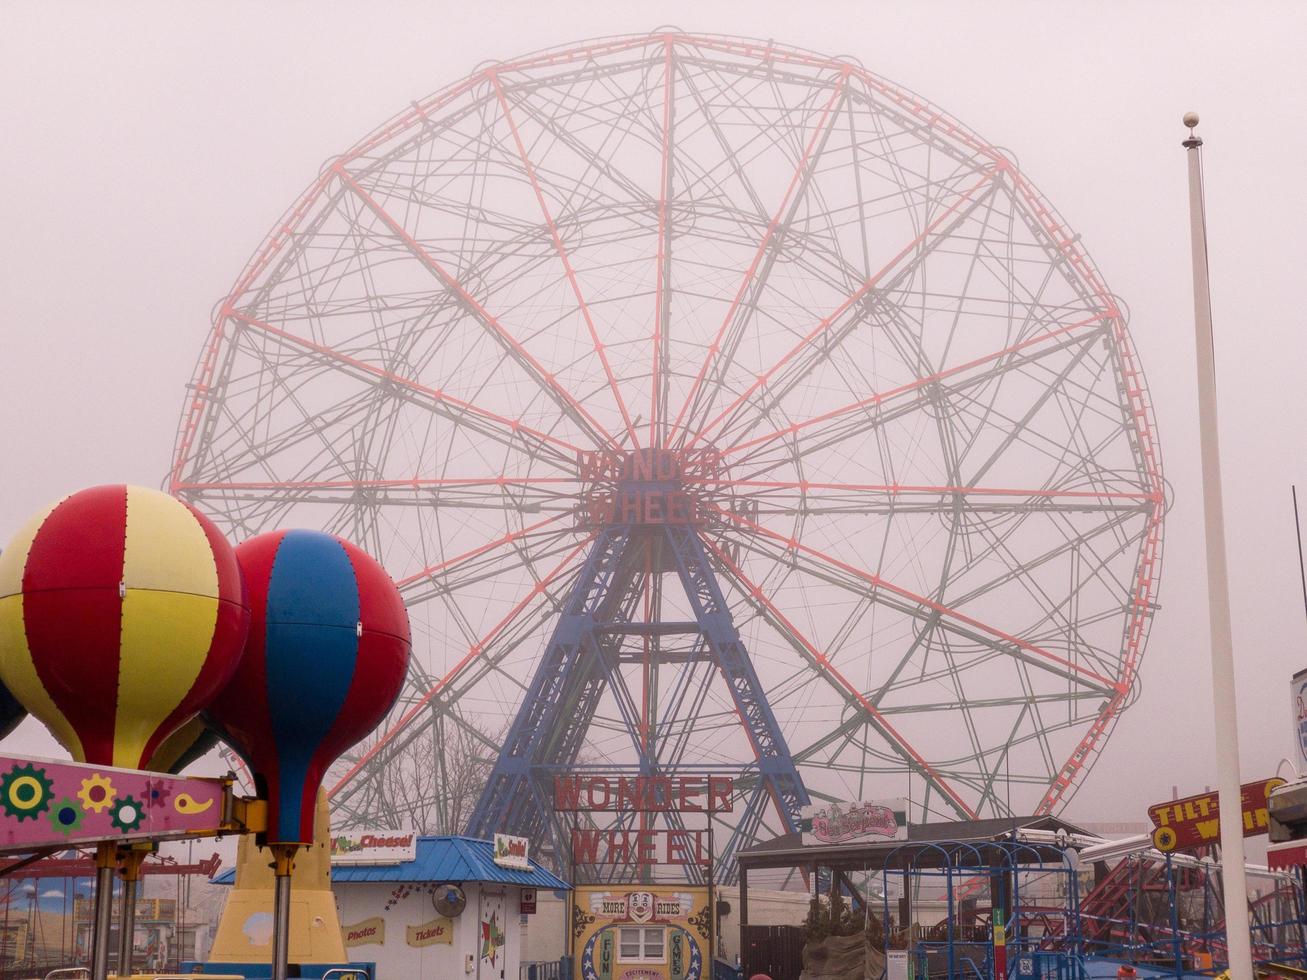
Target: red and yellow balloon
122,613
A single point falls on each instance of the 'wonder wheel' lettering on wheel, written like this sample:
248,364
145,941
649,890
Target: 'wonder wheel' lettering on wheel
717,407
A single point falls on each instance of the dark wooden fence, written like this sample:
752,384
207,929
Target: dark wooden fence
776,951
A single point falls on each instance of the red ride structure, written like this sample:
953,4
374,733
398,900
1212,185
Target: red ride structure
700,313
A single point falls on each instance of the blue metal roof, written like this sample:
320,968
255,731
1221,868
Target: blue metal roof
448,858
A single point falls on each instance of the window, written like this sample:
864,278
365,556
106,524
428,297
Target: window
641,945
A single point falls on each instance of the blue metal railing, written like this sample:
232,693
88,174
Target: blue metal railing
544,970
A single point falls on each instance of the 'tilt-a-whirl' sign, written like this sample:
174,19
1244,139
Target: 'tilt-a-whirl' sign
1196,820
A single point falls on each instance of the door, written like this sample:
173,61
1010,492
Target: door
491,935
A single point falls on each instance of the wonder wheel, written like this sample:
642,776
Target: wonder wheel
718,407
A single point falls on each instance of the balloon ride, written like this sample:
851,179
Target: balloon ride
125,627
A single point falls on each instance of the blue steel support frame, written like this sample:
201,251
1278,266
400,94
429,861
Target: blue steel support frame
580,663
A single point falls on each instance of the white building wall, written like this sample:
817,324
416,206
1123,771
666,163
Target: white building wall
543,936
400,906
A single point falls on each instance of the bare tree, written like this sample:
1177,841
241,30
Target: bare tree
433,783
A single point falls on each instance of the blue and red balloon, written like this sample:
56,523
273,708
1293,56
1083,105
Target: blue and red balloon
326,658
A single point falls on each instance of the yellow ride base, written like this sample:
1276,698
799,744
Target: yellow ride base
245,930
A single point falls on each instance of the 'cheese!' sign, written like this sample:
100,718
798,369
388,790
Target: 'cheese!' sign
374,846
1196,820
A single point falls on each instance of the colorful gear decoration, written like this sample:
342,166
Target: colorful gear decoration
25,792
1165,839
97,793
66,816
157,793
127,814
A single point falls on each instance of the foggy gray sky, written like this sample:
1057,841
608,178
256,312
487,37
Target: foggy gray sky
146,149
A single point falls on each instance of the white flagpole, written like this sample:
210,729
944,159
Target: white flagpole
1233,876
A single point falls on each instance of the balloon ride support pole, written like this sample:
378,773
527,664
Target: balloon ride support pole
283,862
106,862
132,860
1226,726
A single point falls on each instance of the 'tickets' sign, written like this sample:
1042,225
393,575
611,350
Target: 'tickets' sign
430,933
844,823
374,846
1196,820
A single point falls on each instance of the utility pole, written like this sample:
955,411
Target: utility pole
1233,875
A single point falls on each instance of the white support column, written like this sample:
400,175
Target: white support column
1233,875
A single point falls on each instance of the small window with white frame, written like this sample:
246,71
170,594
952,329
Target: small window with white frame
641,944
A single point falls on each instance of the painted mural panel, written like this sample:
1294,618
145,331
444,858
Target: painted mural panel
629,933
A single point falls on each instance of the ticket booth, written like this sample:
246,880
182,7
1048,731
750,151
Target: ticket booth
415,906
629,933
641,852
450,912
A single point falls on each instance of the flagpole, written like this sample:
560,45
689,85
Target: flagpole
1233,876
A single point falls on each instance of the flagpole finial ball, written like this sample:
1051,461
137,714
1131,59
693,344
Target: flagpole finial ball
1191,119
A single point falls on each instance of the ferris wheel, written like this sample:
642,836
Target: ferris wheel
690,309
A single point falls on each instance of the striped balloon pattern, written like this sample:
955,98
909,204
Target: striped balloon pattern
326,657
122,613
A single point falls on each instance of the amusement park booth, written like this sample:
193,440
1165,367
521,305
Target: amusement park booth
949,891
448,911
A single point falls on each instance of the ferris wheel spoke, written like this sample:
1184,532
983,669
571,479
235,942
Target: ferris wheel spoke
932,621
441,402
730,159
793,196
658,368
430,572
1021,573
1056,337
1070,619
1019,428
566,401
1020,647
756,596
900,497
517,495
921,246
478,651
564,258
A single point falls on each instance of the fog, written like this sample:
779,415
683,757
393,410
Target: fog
147,149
